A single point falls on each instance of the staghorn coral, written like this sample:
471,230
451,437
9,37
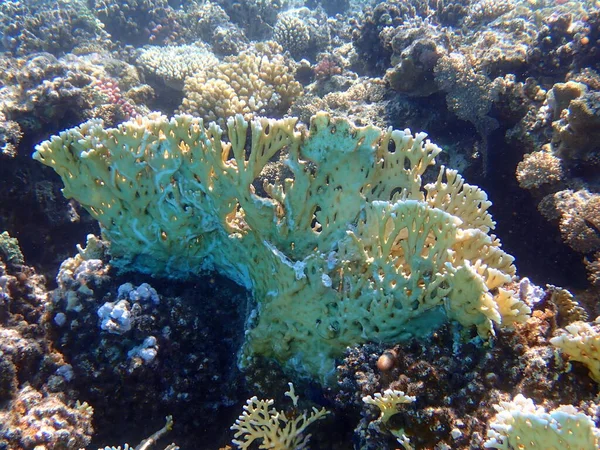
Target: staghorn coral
384,258
259,81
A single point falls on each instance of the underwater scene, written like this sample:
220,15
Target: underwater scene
300,224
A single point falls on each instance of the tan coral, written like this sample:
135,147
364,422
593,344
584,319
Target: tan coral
580,341
539,168
259,81
579,217
174,63
389,403
593,267
273,429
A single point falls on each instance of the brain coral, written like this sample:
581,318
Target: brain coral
257,81
350,247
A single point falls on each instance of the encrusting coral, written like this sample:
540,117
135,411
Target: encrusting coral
349,247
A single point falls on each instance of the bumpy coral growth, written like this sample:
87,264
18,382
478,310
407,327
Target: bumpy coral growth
579,214
44,421
576,135
539,168
580,341
257,81
349,247
521,424
174,63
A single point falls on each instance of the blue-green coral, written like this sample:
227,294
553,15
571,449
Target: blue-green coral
349,247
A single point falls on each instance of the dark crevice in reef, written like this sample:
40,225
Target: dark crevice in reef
535,242
33,210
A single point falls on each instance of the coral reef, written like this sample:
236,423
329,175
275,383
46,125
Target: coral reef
167,337
302,32
340,233
456,386
428,244
255,17
173,64
38,404
54,27
258,81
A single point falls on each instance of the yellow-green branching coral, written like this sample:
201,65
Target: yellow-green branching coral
346,245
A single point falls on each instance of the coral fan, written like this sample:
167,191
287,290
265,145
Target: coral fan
381,258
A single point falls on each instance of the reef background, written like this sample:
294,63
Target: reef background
509,89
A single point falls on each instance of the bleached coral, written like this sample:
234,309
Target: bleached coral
580,341
174,63
350,247
389,402
523,425
539,168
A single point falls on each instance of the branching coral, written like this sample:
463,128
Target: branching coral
580,341
389,402
271,428
349,247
